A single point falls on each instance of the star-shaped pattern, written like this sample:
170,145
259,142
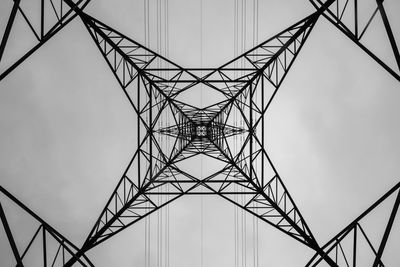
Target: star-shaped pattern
170,132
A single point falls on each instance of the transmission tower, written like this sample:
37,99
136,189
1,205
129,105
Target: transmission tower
154,85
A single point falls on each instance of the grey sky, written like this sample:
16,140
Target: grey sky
66,131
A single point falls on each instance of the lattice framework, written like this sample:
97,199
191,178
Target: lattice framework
153,85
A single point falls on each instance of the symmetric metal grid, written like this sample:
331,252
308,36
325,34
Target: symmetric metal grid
154,177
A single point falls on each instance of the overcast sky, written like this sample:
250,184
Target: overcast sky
66,132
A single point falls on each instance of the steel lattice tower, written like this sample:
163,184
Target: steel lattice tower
248,84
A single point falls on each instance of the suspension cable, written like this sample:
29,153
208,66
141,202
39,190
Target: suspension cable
147,218
255,100
255,220
235,210
242,214
201,156
167,139
161,211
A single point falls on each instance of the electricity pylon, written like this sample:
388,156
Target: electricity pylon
247,85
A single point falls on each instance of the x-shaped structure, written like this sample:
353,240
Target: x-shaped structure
170,132
230,131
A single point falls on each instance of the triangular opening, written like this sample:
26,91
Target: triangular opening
22,225
200,96
201,166
20,41
391,255
374,223
376,40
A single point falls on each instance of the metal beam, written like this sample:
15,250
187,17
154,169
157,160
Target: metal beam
387,231
389,32
63,241
10,237
356,37
42,39
8,27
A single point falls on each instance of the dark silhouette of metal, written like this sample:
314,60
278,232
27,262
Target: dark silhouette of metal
356,234
54,15
355,30
54,248
153,90
153,85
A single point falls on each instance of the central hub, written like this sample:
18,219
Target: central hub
201,130
205,129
